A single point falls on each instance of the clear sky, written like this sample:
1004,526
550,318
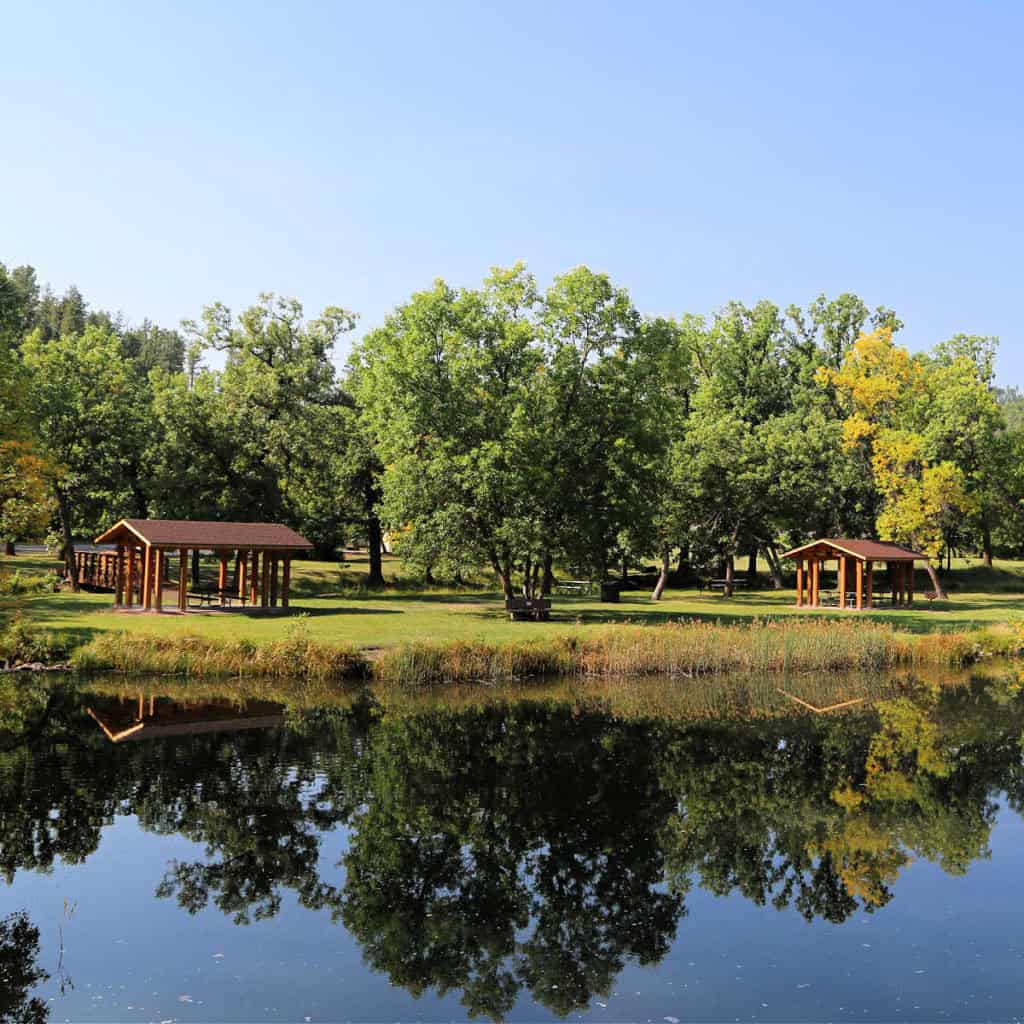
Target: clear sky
165,156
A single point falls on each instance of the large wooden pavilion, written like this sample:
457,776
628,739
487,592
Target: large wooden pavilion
136,564
856,560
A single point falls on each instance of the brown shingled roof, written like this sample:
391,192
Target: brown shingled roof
865,550
193,533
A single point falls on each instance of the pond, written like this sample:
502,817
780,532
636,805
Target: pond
633,851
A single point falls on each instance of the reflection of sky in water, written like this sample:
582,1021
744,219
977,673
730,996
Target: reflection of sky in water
944,948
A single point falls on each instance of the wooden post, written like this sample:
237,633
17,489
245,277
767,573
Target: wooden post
815,582
799,583
903,584
158,581
254,581
286,580
870,598
860,584
910,584
130,596
119,578
265,581
147,578
182,579
273,581
222,578
243,562
892,582
842,582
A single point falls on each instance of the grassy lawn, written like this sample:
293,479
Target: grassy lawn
337,611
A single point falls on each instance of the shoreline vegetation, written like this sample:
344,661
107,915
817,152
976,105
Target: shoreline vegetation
683,649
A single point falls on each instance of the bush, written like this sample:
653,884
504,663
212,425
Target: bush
22,644
18,583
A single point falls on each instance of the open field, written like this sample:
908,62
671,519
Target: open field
338,611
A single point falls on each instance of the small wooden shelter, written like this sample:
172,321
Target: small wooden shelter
136,567
856,560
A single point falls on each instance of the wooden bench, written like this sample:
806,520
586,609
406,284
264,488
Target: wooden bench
521,610
208,596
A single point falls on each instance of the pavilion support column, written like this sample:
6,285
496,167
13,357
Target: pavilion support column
119,577
265,581
274,563
286,580
860,584
870,596
910,584
890,568
842,582
130,595
800,584
815,582
903,584
243,564
182,579
254,578
158,581
147,577
222,577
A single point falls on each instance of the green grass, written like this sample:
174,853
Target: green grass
339,611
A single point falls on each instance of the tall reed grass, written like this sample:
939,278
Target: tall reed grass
294,657
687,649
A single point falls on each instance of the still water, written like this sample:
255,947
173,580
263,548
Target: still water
635,855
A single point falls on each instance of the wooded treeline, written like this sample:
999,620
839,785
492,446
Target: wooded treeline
512,428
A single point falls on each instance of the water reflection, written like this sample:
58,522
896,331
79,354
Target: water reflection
496,848
20,972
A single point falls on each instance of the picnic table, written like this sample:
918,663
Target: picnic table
738,583
206,594
580,587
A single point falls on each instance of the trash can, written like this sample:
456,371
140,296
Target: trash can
610,591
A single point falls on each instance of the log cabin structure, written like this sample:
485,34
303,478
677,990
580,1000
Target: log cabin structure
856,572
137,565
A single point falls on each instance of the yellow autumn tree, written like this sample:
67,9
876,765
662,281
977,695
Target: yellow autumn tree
886,394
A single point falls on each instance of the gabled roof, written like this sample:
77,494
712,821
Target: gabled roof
864,550
197,533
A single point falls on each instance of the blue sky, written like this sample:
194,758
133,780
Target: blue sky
162,157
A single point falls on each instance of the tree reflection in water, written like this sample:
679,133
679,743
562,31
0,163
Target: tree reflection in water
20,972
534,845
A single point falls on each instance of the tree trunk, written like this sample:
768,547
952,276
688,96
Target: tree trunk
659,587
549,577
503,575
986,541
64,509
428,576
774,566
375,541
683,566
936,585
730,575
752,565
9,548
625,570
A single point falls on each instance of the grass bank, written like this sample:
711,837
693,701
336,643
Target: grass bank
690,649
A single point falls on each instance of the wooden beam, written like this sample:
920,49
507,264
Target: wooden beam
815,582
147,577
910,584
800,583
243,564
286,580
870,596
860,584
274,560
265,582
182,579
158,581
254,581
130,596
119,577
842,582
890,568
222,577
